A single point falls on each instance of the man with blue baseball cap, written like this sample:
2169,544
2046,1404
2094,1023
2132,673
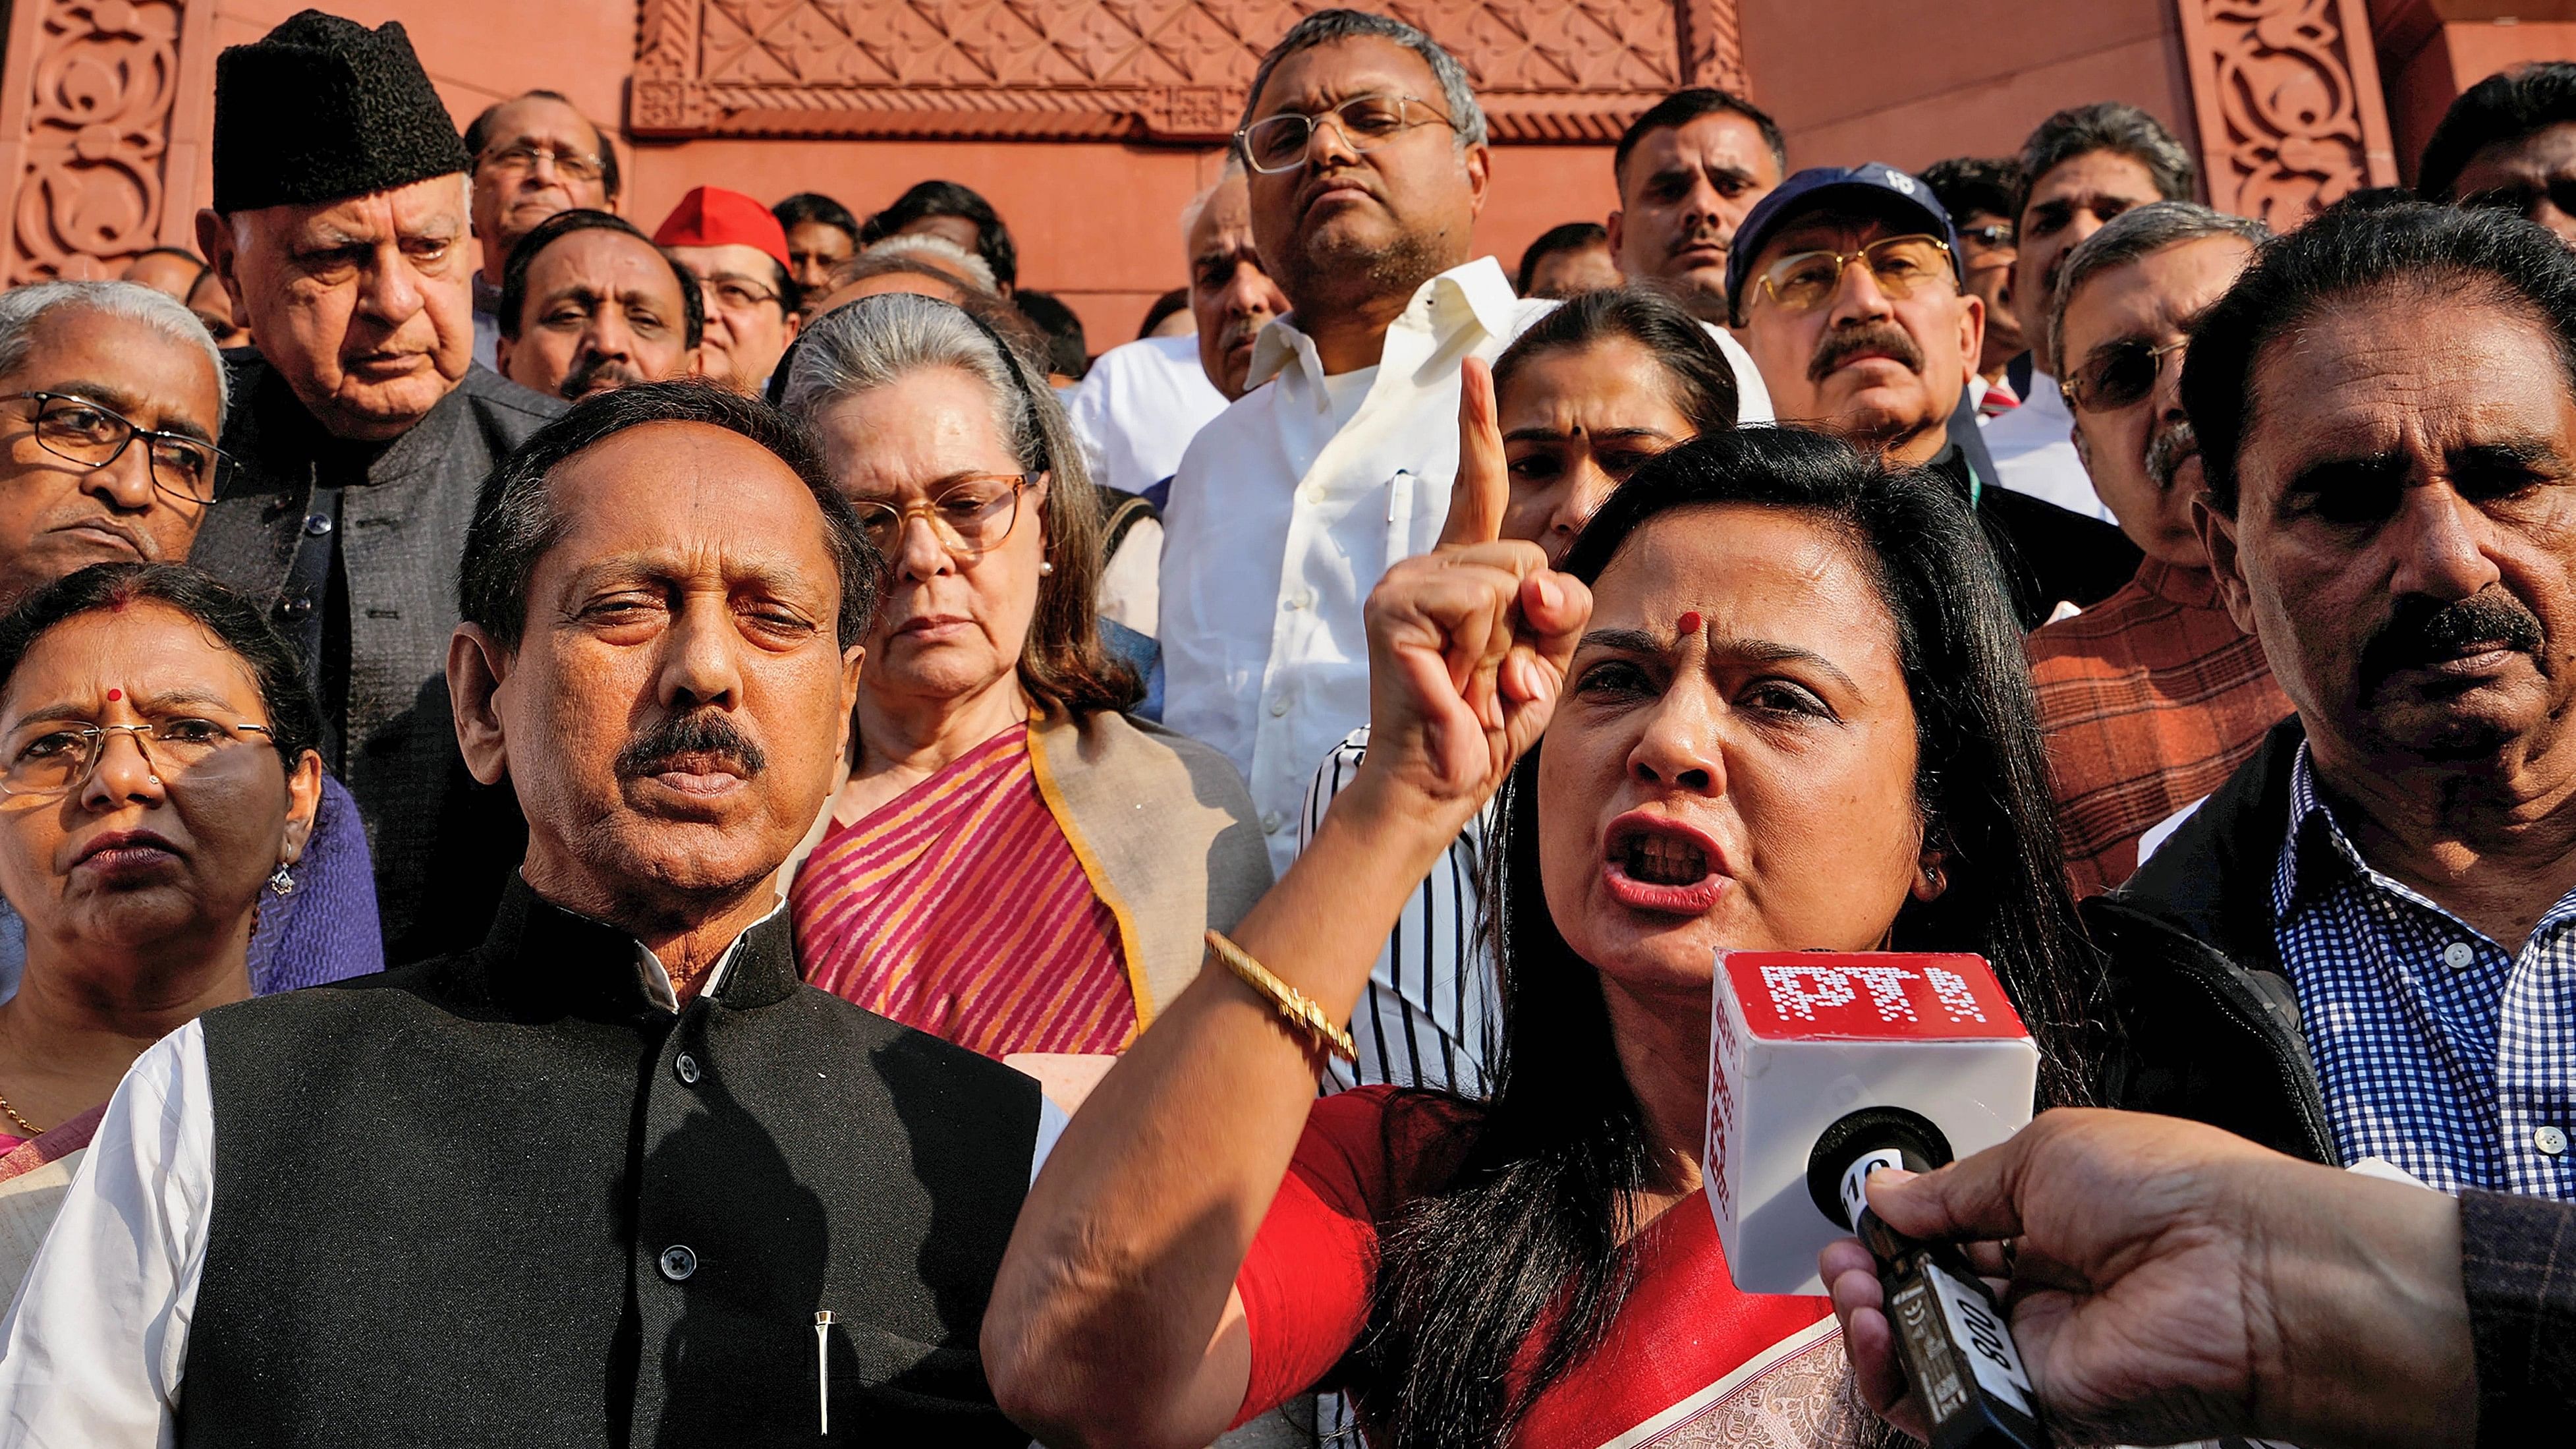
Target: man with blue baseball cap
1847,287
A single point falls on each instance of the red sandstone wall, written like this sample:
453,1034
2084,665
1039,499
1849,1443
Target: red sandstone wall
1846,89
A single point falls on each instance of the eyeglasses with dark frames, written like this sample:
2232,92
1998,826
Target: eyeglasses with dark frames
1278,143
971,516
57,757
2118,374
77,430
1996,234
1804,281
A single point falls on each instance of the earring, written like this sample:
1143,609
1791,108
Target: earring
281,882
1045,567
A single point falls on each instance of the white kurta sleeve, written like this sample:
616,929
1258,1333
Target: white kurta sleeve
91,1351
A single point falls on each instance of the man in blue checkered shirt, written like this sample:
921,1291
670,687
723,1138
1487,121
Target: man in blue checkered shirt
2364,944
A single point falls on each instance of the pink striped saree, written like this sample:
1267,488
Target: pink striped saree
959,908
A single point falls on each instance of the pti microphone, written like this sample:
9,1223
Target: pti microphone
1825,1067
1803,1045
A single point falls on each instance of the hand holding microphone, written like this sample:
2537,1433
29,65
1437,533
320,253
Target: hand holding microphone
2171,1282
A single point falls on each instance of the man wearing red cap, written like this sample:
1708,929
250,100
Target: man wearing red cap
738,253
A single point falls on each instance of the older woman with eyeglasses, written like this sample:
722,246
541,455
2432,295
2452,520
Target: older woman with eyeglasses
1015,864
157,783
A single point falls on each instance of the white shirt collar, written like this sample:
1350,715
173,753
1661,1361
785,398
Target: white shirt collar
1473,292
657,978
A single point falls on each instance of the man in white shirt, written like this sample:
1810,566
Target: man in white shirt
590,1183
1368,166
1689,171
2082,167
1145,400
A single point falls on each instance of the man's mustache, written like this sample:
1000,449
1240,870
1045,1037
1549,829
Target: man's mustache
1843,344
2422,632
2168,450
705,733
1700,236
591,369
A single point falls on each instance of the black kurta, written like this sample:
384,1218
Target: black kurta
504,1199
353,548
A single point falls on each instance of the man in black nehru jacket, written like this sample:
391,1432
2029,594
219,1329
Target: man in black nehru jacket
616,1176
362,427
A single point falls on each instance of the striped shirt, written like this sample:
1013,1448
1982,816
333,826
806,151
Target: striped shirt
959,908
2149,701
1431,1005
2435,1047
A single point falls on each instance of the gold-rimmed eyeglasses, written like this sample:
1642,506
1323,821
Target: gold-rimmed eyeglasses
1278,143
78,430
971,515
1804,281
55,757
572,165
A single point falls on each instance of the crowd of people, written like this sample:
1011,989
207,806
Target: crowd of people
716,834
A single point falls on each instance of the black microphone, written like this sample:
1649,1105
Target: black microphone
1951,1337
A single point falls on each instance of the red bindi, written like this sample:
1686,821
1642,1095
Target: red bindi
114,695
1688,624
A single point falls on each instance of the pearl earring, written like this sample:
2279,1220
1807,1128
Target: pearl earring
1045,567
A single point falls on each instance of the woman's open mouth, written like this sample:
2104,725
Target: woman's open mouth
1652,863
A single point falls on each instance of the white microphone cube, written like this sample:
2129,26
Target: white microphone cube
1800,1040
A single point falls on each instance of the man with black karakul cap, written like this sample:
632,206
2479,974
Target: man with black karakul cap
362,427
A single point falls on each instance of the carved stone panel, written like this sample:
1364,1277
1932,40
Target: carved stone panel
1158,70
103,111
2291,115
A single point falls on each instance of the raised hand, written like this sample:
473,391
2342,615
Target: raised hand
1468,644
1483,490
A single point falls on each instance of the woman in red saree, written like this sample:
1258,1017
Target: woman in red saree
1785,708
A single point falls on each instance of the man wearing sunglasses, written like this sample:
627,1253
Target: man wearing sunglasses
1847,288
1365,161
2509,142
1982,196
2152,697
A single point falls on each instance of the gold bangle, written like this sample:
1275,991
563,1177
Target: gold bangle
1294,1006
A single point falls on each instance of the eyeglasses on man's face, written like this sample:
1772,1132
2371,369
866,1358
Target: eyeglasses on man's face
1995,235
1804,281
970,516
571,165
2118,374
1278,143
56,757
77,430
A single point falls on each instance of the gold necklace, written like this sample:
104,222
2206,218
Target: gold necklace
25,1126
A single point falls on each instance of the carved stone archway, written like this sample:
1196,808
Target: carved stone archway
1140,70
2291,114
108,105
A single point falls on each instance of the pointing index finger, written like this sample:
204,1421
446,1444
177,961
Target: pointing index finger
1483,487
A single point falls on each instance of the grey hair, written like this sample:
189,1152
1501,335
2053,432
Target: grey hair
2113,126
1198,205
877,341
2137,234
1324,27
922,244
21,308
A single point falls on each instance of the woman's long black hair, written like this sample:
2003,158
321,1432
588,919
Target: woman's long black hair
1526,1240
